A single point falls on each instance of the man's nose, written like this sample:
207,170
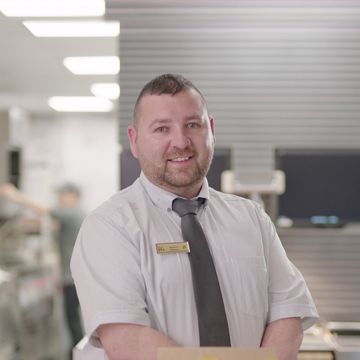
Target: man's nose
180,139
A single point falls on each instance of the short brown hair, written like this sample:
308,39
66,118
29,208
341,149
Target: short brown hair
170,84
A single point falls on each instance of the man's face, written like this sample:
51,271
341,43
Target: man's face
68,198
173,141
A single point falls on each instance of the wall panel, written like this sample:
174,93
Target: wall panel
265,88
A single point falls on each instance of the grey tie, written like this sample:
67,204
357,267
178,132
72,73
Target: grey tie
213,326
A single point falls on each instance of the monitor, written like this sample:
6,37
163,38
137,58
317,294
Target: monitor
322,185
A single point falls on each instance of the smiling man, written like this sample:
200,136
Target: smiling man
173,138
150,274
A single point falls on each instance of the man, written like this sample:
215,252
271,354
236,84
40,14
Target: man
134,299
67,216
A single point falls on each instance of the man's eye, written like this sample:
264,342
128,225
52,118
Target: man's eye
161,129
192,125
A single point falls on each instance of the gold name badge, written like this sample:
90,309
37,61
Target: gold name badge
175,247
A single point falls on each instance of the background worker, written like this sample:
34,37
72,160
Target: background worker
67,216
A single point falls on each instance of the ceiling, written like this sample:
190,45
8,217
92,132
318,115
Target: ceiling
32,70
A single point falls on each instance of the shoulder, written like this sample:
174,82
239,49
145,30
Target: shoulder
240,207
119,208
113,225
235,201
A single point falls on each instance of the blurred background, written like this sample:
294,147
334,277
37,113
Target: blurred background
282,80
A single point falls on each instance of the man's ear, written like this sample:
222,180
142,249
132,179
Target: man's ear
212,126
132,135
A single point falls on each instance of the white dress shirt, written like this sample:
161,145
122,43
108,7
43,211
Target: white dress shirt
120,278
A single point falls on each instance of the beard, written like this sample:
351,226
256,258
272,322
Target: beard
174,179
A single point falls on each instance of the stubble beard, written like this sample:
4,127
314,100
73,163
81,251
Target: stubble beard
175,180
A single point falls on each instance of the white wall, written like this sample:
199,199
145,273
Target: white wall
80,149
89,156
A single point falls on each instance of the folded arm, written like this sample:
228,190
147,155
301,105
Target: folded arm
132,342
285,337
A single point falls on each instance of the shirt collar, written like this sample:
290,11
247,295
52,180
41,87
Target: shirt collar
163,199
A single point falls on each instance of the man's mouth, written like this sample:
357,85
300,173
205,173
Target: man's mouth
180,159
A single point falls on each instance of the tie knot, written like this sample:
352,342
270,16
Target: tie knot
183,207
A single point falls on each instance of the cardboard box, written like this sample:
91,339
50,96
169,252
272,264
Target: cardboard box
215,353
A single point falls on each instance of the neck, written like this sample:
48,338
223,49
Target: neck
187,192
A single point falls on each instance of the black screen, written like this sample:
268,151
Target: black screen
320,183
14,163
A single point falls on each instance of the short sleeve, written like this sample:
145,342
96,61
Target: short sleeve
106,269
289,295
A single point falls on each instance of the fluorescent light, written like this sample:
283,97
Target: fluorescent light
106,90
93,65
56,8
73,28
80,104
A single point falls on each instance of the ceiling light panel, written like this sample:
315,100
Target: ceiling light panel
106,90
52,8
80,104
93,65
73,28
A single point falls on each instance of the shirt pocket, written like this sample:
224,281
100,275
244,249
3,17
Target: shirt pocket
250,284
